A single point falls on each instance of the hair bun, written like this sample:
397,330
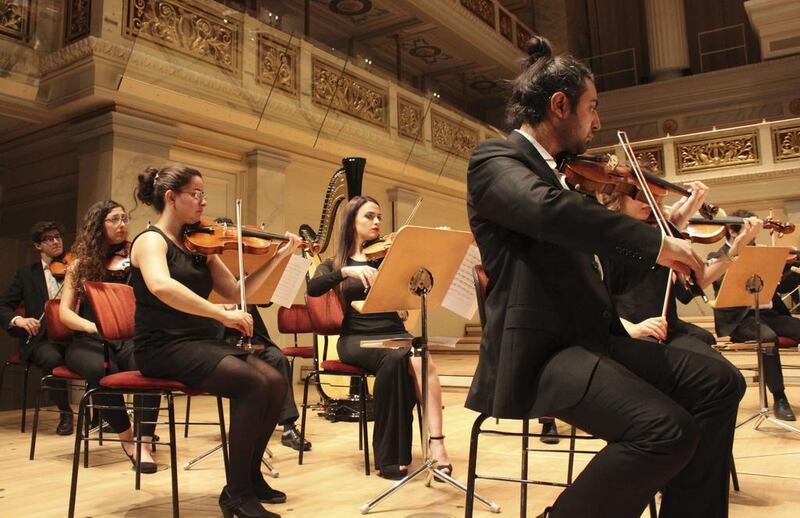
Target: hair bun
538,48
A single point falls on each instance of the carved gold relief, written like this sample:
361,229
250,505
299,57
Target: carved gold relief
483,9
348,94
452,137
78,20
179,25
506,25
15,19
720,152
787,143
277,65
652,158
409,118
523,35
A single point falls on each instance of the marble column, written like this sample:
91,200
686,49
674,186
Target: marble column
666,38
403,202
265,189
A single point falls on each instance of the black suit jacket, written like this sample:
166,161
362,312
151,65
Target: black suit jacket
29,288
727,319
545,295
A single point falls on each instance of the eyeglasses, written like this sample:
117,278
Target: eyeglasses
196,194
116,219
51,239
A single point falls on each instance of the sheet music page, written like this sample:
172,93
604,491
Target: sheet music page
460,297
397,343
291,280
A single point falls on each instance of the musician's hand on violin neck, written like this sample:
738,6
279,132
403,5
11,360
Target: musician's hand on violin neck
678,254
747,234
294,241
366,274
685,208
237,319
30,325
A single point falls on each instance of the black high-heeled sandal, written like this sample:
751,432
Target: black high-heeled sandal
267,494
441,467
235,506
146,468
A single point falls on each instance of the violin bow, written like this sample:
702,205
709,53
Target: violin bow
240,248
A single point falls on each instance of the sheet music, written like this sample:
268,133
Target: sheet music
460,297
291,280
405,343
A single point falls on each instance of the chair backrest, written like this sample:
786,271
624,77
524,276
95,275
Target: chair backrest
481,281
295,320
325,313
57,332
114,307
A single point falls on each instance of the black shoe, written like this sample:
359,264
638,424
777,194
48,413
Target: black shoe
549,433
545,513
783,410
392,472
243,506
64,424
266,494
446,469
146,468
291,438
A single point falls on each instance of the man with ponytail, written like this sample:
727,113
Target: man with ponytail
552,341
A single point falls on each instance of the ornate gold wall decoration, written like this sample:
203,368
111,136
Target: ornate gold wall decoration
277,65
16,19
786,143
348,93
506,25
523,35
179,25
452,137
652,158
409,118
78,20
735,150
483,9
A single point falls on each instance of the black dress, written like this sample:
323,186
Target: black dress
393,391
172,344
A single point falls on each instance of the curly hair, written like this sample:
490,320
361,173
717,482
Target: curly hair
90,249
45,226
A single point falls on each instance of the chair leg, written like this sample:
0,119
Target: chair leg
571,464
186,421
363,421
87,426
523,475
25,396
472,465
223,438
137,437
421,432
652,507
303,417
36,408
76,454
173,455
734,475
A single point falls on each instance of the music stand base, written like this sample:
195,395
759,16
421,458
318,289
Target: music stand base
764,415
271,471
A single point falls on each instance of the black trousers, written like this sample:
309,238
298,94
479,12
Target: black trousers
47,356
668,415
394,396
85,356
773,324
274,357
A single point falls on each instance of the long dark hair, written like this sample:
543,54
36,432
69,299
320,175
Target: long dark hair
346,242
543,76
91,250
152,185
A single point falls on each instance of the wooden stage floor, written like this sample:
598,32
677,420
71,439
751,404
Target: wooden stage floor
331,483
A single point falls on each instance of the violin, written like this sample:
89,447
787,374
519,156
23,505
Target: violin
378,248
705,230
604,175
209,238
119,261
59,265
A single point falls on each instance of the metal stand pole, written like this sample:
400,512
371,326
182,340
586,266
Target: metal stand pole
271,471
754,286
421,284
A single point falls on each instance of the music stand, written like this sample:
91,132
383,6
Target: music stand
757,271
405,282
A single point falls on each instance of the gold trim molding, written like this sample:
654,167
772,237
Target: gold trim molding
731,151
16,19
483,9
452,137
183,27
409,118
652,158
348,94
78,20
786,143
277,65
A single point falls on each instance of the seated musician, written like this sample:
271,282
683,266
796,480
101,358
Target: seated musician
33,285
553,344
398,377
104,233
176,336
740,323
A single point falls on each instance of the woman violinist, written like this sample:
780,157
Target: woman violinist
103,235
176,335
351,275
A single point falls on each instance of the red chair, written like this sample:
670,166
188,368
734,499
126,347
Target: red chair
326,315
114,306
295,320
16,362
